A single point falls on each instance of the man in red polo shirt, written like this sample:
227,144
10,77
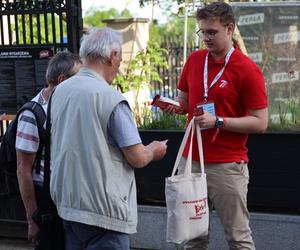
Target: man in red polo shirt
230,88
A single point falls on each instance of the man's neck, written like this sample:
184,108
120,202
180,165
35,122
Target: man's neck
221,54
99,69
47,92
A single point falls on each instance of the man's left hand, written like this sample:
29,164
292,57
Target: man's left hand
206,120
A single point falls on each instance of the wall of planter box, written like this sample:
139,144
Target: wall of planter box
273,165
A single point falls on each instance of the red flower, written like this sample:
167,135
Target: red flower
291,73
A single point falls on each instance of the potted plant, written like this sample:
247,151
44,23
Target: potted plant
138,75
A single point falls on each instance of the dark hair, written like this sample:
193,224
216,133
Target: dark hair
62,63
217,10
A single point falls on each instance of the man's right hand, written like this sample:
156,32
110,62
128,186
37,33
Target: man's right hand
159,149
171,109
33,230
140,156
182,98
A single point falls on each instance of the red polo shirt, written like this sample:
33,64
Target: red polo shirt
240,88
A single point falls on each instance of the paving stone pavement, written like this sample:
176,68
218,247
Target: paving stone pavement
14,244
17,244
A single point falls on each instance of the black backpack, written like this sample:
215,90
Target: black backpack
8,158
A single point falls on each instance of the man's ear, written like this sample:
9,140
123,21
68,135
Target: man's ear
61,78
231,27
113,58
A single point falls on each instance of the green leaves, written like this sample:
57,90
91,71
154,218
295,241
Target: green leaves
284,115
93,17
143,68
163,121
139,73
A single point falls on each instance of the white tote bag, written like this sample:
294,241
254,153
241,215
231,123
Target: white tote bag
186,196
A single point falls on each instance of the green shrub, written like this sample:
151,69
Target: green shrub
287,116
160,120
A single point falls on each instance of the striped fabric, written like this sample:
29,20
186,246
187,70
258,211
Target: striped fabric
27,138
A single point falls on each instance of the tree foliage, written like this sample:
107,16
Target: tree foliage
142,69
144,2
140,72
173,30
94,17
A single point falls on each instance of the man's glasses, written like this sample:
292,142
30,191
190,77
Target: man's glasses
210,34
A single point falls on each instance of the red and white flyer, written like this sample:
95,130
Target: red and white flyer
163,102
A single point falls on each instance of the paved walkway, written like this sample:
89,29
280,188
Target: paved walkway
14,244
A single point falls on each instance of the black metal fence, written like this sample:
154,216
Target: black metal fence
171,75
56,23
30,33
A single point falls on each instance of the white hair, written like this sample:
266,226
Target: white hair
99,44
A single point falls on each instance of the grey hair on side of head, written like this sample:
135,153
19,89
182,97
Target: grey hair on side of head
62,63
99,44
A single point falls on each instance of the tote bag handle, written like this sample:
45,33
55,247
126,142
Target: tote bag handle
200,147
188,167
182,145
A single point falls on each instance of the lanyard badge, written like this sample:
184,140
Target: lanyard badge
204,106
207,106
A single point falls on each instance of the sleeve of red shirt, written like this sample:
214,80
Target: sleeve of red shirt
183,82
253,88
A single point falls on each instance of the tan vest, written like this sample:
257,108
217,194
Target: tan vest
91,181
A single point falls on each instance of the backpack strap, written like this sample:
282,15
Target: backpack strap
40,117
39,114
47,159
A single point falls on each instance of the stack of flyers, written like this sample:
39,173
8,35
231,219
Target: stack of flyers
163,102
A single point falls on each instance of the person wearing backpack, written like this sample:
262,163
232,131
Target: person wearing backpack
30,157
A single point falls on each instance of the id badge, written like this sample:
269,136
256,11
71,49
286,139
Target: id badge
208,106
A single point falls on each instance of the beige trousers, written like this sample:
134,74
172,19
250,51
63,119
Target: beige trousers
227,193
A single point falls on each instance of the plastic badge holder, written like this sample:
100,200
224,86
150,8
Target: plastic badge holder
207,106
198,111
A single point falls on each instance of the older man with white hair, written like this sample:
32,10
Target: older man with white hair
95,148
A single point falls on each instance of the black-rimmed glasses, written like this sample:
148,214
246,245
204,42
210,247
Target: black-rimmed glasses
210,34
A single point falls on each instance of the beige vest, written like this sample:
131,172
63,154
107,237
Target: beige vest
91,181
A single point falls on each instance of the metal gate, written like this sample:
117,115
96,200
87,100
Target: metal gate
31,31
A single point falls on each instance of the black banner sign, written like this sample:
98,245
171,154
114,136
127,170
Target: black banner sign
22,75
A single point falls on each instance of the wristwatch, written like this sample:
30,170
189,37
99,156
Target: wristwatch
219,122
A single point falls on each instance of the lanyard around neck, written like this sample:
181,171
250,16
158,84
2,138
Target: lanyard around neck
217,77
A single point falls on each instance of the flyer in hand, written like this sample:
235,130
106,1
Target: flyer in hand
163,102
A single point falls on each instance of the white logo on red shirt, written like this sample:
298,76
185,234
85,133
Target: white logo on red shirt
223,83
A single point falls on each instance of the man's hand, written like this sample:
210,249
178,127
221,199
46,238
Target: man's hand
171,109
255,122
206,120
33,230
159,149
182,98
140,156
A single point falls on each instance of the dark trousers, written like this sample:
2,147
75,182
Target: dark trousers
51,233
85,237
